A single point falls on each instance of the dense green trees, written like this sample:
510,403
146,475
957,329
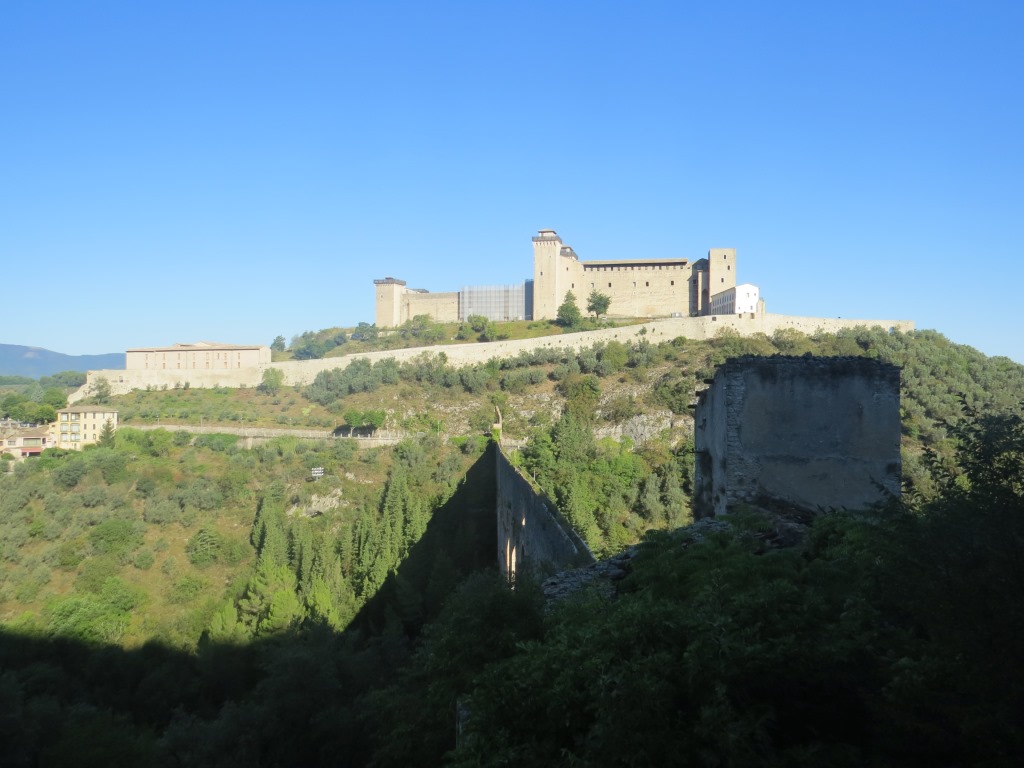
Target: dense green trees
480,326
273,380
598,303
882,640
35,405
568,314
100,391
315,344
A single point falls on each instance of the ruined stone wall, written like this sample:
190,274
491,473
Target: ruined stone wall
532,536
804,433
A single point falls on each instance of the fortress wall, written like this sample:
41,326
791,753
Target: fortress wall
532,537
805,433
442,307
638,291
124,381
300,372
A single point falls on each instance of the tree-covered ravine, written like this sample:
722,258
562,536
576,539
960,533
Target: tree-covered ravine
181,599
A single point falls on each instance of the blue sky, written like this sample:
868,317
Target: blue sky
234,171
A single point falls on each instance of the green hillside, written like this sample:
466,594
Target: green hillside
181,599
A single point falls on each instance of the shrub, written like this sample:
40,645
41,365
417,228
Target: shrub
186,589
203,548
70,472
115,537
162,512
93,496
144,560
216,442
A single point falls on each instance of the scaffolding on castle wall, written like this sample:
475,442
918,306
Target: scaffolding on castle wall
496,302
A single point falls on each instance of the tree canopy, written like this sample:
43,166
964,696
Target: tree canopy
568,314
598,303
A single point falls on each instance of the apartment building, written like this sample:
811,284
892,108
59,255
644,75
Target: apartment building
80,425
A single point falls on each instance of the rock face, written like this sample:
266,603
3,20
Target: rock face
318,505
801,433
639,428
604,575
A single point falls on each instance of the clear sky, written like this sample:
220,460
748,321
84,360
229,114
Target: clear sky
231,171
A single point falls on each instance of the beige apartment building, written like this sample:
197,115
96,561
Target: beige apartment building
637,287
80,425
201,356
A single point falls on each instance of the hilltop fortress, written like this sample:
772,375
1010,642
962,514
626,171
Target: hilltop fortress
636,287
693,300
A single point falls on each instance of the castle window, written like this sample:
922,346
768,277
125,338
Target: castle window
671,282
609,285
647,285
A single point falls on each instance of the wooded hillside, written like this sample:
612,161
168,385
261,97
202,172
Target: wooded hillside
181,599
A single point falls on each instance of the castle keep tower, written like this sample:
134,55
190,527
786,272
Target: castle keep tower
556,270
710,276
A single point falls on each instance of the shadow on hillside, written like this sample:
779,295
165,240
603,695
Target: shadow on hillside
302,697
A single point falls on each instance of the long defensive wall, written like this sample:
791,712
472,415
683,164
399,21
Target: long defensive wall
300,372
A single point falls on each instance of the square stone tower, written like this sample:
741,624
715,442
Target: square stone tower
556,271
803,434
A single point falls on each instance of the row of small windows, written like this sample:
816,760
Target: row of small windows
163,366
647,284
93,415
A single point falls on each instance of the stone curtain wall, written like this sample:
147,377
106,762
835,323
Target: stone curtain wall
532,537
805,433
300,372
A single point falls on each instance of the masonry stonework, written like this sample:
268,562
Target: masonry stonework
301,372
532,537
805,434
202,355
637,287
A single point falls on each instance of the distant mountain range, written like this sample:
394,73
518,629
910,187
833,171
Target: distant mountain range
16,360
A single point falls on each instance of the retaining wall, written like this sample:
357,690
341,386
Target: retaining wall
301,372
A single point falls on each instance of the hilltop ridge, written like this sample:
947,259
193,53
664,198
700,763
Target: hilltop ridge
18,360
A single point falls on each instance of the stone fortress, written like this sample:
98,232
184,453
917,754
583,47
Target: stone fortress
636,287
693,300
